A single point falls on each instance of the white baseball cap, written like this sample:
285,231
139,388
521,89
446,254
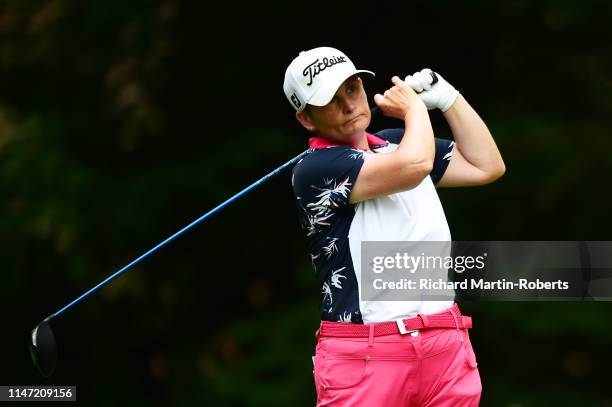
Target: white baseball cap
314,76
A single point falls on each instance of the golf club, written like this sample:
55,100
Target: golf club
43,349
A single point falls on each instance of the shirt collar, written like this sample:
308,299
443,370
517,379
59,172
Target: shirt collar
318,142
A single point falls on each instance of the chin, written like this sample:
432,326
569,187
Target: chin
367,120
360,124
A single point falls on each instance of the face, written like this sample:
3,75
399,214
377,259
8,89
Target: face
345,118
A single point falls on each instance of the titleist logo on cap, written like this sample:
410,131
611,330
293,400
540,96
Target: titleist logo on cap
317,67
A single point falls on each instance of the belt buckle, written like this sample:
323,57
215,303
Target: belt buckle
403,330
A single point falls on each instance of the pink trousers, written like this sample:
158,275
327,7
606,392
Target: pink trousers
430,367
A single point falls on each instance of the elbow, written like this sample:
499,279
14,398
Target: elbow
426,168
496,173
415,169
423,167
500,170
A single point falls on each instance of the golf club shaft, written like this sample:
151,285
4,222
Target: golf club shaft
180,232
254,185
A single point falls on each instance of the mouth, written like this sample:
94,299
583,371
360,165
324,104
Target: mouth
354,119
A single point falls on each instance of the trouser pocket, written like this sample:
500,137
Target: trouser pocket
468,350
340,372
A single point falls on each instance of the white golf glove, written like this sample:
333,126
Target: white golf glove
440,95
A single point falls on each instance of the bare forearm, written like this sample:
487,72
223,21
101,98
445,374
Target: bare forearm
402,169
473,138
418,141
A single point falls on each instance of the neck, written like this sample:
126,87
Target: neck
362,141
357,140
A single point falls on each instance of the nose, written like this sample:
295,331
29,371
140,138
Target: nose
348,105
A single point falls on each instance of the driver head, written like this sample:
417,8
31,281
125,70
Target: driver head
43,348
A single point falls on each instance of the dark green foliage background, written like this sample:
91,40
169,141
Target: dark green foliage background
120,122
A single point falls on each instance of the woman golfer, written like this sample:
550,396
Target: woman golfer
355,187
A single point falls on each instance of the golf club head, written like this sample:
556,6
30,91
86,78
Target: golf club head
43,348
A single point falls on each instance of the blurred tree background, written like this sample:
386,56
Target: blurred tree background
120,122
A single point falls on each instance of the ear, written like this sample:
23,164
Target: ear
305,120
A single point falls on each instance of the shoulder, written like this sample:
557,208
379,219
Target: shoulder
327,158
331,165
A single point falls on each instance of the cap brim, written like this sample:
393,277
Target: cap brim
326,92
